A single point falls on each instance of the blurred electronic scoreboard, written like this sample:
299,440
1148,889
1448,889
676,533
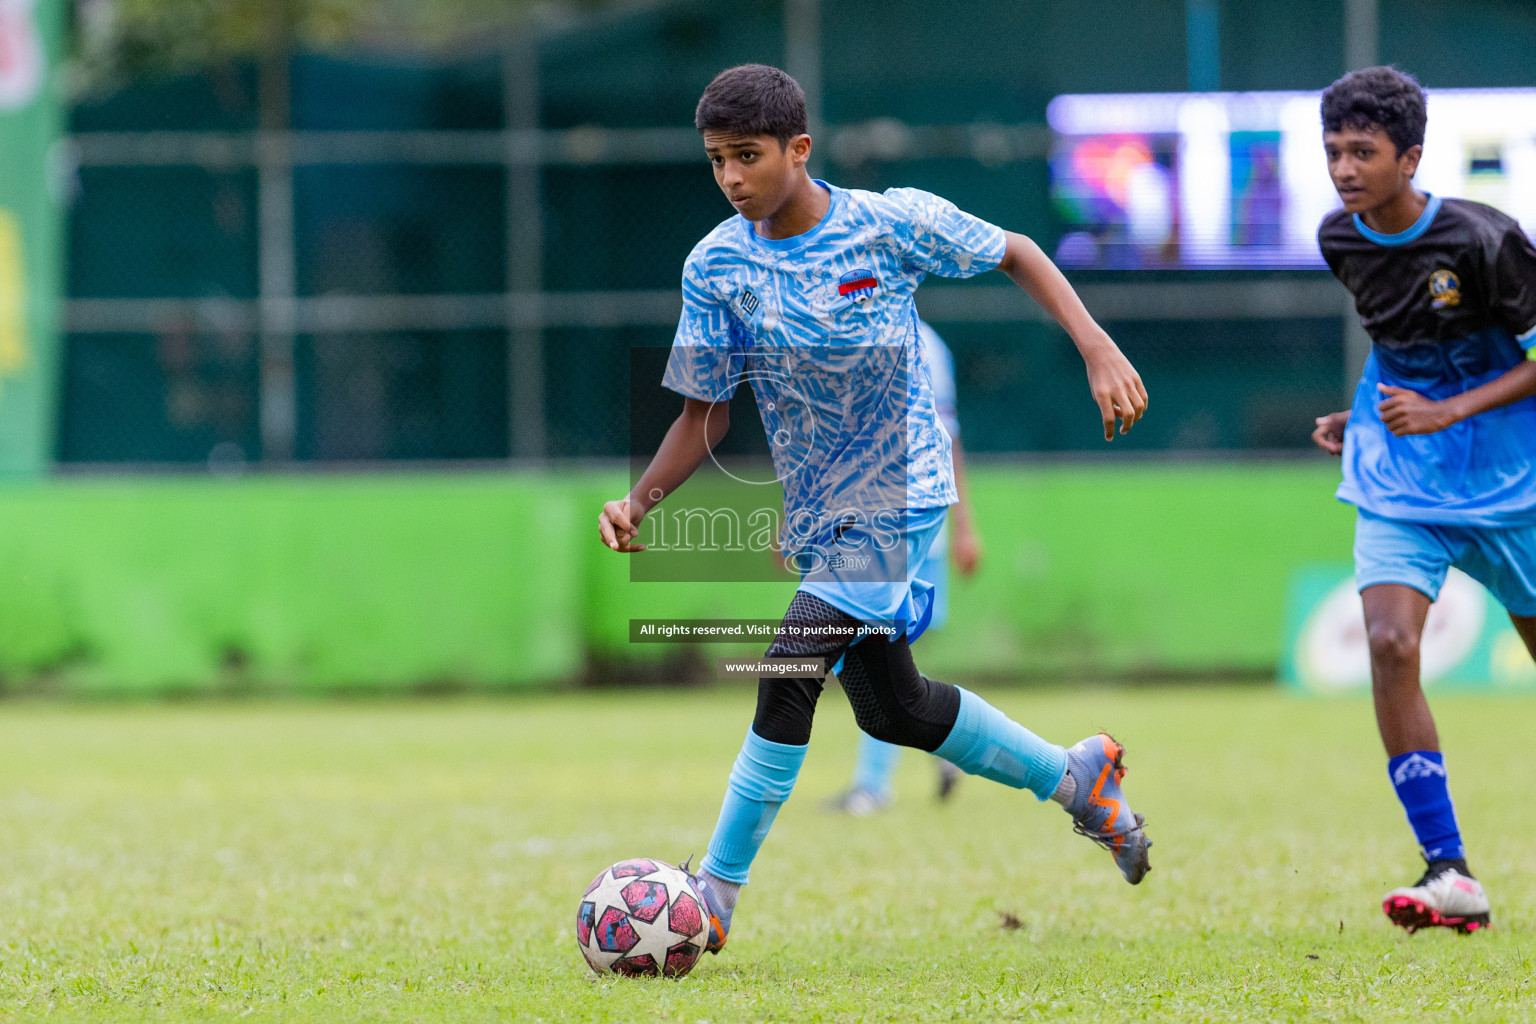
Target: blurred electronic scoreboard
1235,180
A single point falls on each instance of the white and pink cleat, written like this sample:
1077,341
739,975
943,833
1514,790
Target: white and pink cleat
1444,898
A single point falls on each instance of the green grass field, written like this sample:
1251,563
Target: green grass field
423,861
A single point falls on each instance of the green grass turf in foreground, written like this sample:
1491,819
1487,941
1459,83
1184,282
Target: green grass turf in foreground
336,862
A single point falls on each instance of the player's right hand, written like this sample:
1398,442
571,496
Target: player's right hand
619,525
1117,389
1329,435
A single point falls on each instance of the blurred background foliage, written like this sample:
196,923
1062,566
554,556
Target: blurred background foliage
119,40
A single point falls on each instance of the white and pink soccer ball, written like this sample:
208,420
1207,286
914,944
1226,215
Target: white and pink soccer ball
642,918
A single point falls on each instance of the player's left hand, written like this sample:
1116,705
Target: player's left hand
1116,388
619,524
965,549
1407,412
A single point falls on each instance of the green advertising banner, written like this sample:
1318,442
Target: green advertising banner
1468,642
31,117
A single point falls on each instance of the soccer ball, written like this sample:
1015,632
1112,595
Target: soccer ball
642,918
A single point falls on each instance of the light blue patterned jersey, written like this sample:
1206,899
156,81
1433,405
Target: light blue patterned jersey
823,328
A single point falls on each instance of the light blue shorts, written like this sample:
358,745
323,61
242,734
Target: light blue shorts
1418,555
873,574
935,569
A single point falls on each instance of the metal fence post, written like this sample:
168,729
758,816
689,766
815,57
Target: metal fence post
802,61
1362,20
525,251
1202,35
1361,33
275,259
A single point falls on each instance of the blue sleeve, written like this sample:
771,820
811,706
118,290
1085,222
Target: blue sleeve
708,351
939,238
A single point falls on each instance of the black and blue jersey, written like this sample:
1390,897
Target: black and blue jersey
1450,304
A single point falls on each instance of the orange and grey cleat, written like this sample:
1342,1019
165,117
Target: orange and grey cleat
717,933
719,925
1099,809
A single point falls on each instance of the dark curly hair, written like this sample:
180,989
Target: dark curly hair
1379,97
753,99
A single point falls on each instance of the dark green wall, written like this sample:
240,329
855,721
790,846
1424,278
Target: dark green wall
174,232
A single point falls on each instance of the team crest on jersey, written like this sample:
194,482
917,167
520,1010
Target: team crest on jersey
858,284
1444,290
749,303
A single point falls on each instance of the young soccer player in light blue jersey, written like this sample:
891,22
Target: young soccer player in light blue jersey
872,789
807,295
1439,448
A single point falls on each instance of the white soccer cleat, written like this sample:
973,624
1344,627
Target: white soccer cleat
1443,898
860,802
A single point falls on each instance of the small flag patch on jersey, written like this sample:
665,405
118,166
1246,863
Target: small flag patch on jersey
860,284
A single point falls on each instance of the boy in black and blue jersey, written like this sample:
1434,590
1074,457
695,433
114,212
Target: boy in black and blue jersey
1439,448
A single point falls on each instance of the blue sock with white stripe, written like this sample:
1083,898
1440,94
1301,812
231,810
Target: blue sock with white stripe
760,782
876,764
1420,780
988,743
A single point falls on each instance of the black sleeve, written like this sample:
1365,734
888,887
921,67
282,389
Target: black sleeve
1326,247
1514,278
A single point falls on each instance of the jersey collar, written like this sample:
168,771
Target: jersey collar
1403,237
796,241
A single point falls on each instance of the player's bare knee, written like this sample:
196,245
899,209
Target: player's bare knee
1393,644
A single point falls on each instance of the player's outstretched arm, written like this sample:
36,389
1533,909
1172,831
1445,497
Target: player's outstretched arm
1407,412
965,545
1114,382
689,440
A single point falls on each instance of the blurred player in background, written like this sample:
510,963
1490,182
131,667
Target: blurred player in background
872,789
1439,447
810,290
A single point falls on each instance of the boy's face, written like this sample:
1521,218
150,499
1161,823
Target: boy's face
755,172
1366,168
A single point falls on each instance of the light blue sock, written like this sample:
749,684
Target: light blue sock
760,781
988,743
877,763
